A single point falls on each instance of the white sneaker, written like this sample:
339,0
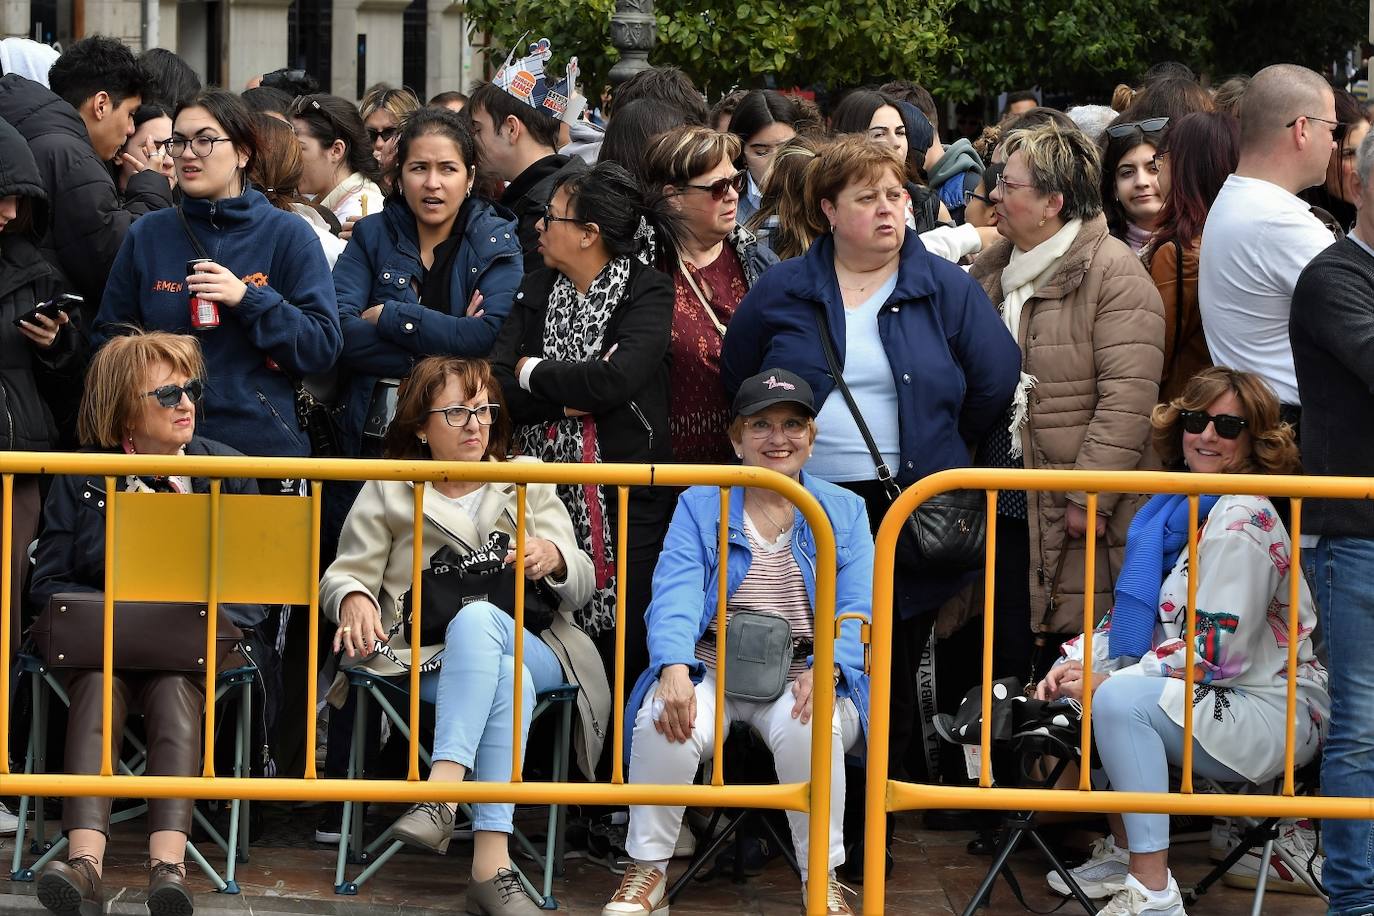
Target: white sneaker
1225,835
642,891
9,823
1101,876
1135,900
686,845
1298,840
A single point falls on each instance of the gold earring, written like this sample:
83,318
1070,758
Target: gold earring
1042,221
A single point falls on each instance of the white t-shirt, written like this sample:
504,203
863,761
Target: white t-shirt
1257,239
840,455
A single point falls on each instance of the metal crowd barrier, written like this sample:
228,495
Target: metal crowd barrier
889,795
237,548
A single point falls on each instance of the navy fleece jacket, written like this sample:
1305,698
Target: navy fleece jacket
287,325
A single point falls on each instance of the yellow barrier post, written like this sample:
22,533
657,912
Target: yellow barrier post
518,682
416,640
1089,623
722,567
1295,577
311,685
1190,649
211,628
622,538
107,661
6,616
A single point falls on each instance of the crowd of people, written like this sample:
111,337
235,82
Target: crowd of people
837,293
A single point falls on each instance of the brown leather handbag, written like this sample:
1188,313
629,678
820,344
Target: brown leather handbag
166,636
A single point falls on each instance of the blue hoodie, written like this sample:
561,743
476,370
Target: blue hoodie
287,316
381,266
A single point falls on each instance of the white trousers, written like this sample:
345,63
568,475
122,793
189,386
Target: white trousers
655,760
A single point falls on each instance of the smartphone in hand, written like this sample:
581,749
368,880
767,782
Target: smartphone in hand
67,302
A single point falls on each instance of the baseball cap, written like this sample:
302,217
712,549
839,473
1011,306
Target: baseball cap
773,386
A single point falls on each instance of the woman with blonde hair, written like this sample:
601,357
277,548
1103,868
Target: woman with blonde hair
385,109
142,397
1224,422
717,263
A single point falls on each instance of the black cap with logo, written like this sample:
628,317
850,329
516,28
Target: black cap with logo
773,386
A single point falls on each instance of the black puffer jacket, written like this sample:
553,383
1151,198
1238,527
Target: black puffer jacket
527,196
26,421
89,221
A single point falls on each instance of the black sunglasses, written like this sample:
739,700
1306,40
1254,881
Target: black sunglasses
170,395
385,134
1338,128
1228,426
1148,126
721,186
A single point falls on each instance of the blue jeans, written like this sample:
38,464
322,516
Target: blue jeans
474,693
1339,571
1137,741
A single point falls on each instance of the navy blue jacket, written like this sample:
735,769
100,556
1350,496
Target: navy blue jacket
287,316
381,266
954,363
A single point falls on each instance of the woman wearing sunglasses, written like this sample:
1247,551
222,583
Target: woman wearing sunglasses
717,263
142,397
1224,422
248,280
583,360
451,409
1131,196
339,171
384,110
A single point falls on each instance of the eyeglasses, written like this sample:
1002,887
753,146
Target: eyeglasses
1338,128
971,196
1004,185
385,134
1148,126
458,416
1228,426
547,217
721,186
171,395
201,147
1159,159
792,427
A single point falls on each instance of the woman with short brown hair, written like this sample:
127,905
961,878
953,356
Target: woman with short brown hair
451,409
717,262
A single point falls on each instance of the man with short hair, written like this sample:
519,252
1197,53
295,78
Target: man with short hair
1020,102
1259,235
667,85
74,130
519,143
1332,330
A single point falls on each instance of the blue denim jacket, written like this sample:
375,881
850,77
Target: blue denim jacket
685,583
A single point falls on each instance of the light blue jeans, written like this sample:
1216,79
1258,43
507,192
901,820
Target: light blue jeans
474,693
1137,741
1340,570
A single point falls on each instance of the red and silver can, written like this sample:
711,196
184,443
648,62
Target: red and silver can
204,313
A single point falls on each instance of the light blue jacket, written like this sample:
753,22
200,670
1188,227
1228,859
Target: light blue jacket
685,583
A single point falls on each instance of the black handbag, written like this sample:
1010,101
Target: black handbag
947,531
453,581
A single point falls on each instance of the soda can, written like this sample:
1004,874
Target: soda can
204,313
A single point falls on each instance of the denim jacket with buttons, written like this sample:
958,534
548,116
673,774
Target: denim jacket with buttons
685,583
381,266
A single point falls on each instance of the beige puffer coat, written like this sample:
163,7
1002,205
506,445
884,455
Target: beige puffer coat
1093,336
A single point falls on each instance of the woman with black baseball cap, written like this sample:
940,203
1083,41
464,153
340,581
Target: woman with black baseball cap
770,577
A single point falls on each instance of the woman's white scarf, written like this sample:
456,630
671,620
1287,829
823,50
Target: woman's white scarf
355,183
1026,272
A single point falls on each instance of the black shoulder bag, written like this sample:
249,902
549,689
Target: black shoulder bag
315,394
946,533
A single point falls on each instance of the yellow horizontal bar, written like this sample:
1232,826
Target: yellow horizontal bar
788,796
904,796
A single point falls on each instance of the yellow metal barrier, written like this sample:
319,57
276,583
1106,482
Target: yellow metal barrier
251,551
885,795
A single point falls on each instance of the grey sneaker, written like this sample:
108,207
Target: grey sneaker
428,825
503,895
1134,900
1101,876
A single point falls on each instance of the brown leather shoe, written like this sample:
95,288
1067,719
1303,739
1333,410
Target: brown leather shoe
168,894
71,888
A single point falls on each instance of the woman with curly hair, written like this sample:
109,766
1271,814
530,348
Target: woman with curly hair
1224,422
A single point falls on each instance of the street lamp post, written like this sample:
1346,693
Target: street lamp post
632,33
